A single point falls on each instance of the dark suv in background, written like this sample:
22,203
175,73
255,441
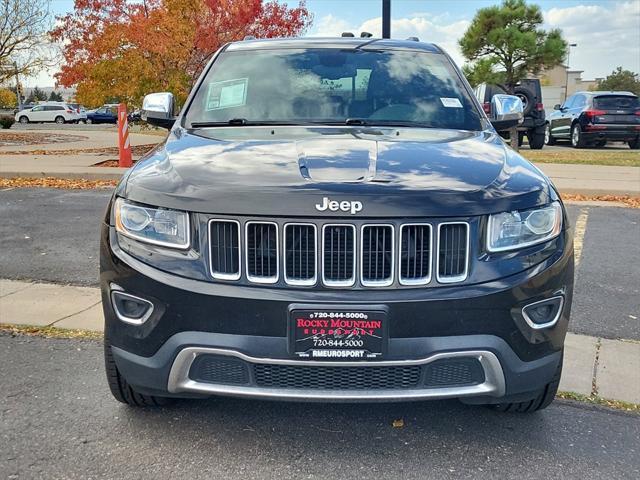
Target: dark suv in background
593,118
529,92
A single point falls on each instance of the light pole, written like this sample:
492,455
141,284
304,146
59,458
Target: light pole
386,18
566,82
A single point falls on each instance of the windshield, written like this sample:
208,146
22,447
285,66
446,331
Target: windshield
616,102
330,86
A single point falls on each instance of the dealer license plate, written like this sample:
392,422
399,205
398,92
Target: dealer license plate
338,334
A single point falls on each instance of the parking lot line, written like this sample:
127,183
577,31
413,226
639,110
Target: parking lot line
578,238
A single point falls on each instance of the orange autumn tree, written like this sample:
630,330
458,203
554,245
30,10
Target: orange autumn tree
117,49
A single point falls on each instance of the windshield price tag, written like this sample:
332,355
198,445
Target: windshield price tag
451,102
227,94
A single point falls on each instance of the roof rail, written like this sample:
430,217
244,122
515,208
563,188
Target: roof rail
413,39
366,35
347,34
249,37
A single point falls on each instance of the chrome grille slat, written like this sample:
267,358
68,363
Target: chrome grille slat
377,255
261,244
338,254
453,252
415,254
300,256
224,249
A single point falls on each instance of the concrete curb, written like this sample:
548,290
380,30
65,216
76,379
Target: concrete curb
592,366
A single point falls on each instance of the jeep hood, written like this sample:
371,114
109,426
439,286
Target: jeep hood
286,171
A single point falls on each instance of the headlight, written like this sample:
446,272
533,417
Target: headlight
513,230
160,226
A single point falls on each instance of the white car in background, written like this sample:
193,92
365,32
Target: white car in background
57,112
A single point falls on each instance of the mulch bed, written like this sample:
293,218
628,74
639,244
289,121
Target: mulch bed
51,182
20,139
137,150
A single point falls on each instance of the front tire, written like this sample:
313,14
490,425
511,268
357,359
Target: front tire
634,144
540,402
122,391
577,139
88,121
24,120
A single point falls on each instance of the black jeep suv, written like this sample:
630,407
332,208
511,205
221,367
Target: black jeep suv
593,118
335,220
529,91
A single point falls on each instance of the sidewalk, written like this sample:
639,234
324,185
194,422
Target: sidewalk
608,368
593,179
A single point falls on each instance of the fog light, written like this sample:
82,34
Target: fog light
129,308
543,314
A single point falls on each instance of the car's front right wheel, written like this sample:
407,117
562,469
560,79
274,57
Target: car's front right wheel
122,391
541,401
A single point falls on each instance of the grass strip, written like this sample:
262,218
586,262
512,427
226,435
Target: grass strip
49,332
596,400
583,157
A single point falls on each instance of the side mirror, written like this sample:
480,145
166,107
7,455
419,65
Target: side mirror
557,106
506,111
159,109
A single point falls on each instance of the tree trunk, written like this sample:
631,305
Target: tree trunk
514,137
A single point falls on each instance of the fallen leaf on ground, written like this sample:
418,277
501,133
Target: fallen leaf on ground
399,423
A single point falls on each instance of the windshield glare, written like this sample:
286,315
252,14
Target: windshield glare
331,85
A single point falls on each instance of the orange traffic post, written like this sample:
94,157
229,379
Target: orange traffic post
123,137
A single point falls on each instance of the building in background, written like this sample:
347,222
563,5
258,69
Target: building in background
560,83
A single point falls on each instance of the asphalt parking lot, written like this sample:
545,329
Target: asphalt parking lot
51,235
58,420
71,428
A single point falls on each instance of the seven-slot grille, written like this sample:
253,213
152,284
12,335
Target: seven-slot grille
300,254
453,250
415,254
262,252
224,236
338,255
334,251
376,259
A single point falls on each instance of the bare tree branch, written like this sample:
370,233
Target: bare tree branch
23,37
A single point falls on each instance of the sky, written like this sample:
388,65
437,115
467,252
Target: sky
607,32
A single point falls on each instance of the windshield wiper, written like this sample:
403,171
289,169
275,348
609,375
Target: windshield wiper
386,123
243,122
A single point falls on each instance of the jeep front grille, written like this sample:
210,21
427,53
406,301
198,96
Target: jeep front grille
262,252
338,255
415,254
453,250
370,255
377,255
300,257
225,249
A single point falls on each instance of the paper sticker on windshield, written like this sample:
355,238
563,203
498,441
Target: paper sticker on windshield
227,94
451,102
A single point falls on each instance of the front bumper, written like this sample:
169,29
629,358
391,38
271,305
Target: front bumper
479,323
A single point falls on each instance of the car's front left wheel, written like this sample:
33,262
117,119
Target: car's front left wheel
541,401
122,391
